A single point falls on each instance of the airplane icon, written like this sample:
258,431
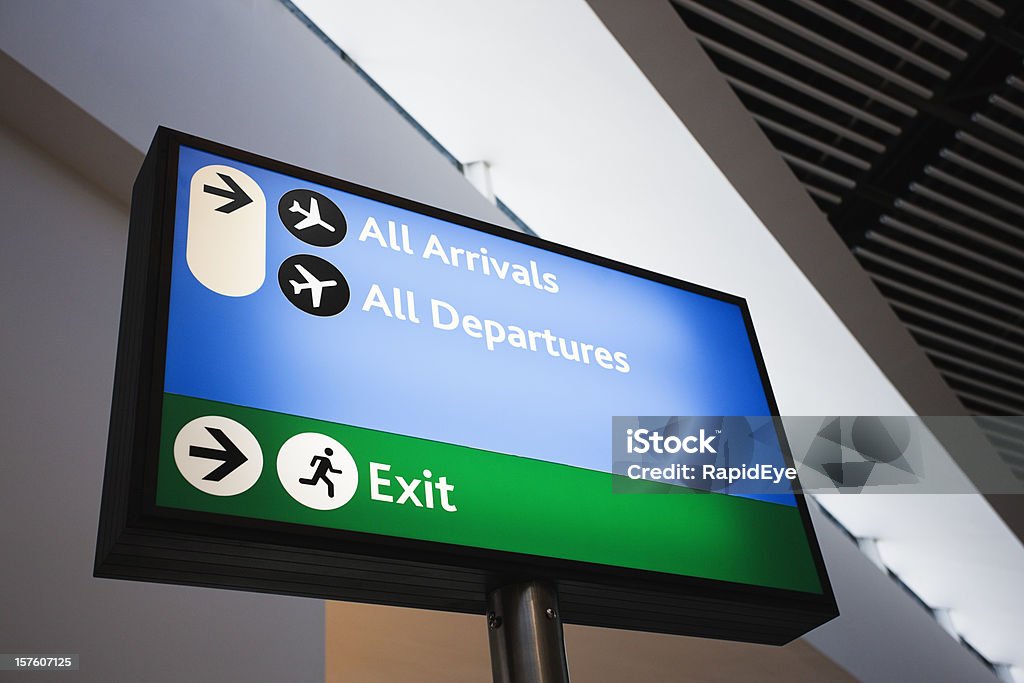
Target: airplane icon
315,287
312,217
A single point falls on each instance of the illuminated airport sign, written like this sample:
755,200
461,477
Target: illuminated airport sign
326,390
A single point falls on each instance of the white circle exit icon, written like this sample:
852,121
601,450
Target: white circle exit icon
317,471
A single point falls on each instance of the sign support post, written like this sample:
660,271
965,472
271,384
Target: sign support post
524,628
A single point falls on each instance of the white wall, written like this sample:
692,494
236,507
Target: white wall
61,264
246,73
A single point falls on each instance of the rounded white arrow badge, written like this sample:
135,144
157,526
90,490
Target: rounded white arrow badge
218,455
227,231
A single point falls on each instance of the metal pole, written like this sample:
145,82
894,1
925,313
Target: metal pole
525,633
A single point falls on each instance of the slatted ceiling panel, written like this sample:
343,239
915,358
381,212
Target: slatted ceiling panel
990,205
964,216
904,120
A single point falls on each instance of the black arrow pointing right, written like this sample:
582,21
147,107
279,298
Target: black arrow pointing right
231,457
234,192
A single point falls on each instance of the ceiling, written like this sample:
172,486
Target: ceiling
904,120
590,154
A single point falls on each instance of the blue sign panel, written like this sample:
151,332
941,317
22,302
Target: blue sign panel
446,333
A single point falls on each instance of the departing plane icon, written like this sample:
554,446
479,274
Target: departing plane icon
315,287
312,217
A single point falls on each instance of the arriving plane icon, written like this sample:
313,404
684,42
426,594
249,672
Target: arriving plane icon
312,217
315,287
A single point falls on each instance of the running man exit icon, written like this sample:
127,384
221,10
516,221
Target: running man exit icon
317,471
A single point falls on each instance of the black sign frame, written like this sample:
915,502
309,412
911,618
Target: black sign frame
140,541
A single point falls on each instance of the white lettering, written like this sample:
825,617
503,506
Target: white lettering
377,481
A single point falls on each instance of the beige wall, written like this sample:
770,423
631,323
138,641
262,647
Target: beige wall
373,644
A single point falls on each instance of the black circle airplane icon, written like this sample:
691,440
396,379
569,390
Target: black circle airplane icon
312,217
313,285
